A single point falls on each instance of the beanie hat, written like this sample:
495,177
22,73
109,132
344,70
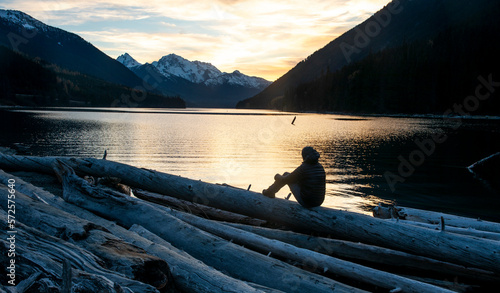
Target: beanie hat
310,155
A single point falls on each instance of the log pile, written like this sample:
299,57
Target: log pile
181,235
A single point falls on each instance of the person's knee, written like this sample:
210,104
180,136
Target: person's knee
279,177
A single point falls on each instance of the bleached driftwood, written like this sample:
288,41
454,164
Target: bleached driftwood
157,246
129,260
26,284
119,256
343,224
450,229
66,276
49,252
450,220
197,209
451,285
430,217
369,253
308,258
212,250
190,274
359,251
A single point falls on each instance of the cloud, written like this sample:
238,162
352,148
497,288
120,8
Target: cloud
168,24
262,38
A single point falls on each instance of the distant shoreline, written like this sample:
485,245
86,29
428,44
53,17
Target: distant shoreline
199,111
219,111
430,116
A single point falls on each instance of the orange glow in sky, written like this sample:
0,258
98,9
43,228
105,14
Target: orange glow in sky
259,38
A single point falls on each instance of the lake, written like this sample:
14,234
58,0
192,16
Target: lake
417,162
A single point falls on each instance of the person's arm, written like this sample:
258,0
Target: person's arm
293,177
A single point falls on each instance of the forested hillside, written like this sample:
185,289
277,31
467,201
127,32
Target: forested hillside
34,82
428,76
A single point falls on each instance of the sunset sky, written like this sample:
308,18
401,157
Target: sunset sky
260,38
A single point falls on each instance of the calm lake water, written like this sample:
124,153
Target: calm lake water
242,148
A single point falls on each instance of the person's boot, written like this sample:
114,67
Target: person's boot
275,187
268,193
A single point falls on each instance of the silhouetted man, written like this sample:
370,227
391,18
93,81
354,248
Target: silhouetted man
307,182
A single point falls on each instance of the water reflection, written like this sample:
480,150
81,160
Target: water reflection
248,147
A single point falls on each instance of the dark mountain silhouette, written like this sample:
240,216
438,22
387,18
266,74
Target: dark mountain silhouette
24,78
21,32
34,82
433,76
386,53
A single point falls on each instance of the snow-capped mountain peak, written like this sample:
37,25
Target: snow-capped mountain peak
238,78
21,18
205,73
128,61
201,84
196,71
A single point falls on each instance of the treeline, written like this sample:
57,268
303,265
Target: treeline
34,82
426,76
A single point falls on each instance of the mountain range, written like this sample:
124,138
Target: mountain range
424,56
41,65
411,57
199,83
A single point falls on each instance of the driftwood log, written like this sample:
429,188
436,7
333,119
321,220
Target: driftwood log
372,254
214,251
49,252
317,259
197,209
453,285
451,229
362,252
111,253
308,258
430,217
449,247
161,248
190,274
26,284
39,192
117,255
129,260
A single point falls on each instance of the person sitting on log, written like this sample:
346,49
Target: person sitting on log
307,182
